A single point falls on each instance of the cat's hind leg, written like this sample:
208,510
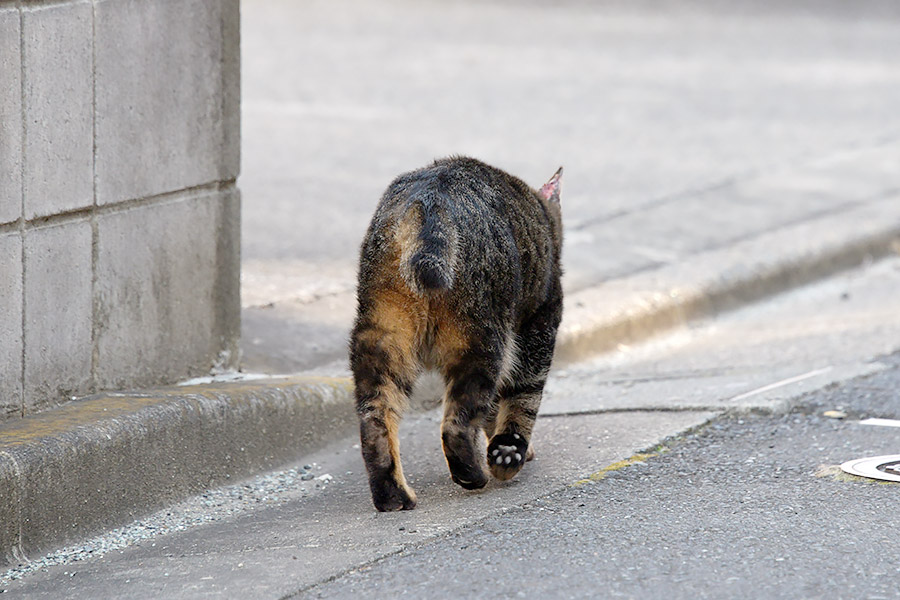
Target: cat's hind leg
471,388
384,368
510,445
519,398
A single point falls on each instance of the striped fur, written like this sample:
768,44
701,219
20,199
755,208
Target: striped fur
459,272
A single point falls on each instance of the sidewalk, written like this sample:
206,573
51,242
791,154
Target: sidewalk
112,457
309,528
632,273
706,188
685,127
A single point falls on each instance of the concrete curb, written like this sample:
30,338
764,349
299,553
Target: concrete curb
109,458
629,310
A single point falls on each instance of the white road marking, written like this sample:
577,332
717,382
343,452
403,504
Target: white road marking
881,422
778,384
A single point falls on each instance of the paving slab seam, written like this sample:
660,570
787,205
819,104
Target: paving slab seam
888,139
643,409
779,408
208,434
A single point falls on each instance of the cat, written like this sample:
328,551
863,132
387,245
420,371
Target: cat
459,272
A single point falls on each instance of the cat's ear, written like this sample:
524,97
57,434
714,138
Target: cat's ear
550,190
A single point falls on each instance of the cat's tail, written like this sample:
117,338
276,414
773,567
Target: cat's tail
428,260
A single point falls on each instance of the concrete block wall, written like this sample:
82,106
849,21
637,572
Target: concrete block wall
119,213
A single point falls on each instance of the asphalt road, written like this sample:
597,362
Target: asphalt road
746,507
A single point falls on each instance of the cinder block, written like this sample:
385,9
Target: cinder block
10,325
10,117
167,112
165,286
59,143
58,314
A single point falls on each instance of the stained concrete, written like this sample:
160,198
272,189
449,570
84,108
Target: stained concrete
11,325
189,128
58,309
59,107
116,117
10,116
159,283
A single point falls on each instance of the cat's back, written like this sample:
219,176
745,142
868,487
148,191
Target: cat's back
478,202
464,227
463,187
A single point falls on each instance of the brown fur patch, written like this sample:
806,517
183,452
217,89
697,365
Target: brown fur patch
398,321
451,339
392,425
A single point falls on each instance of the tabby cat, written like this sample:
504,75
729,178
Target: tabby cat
459,272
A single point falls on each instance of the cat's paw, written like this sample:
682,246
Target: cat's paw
507,454
465,474
462,459
387,495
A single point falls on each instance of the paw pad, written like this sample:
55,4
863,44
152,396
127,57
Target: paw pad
506,455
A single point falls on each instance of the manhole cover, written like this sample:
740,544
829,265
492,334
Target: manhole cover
886,468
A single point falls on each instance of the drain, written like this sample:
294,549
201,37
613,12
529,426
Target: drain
886,468
891,468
